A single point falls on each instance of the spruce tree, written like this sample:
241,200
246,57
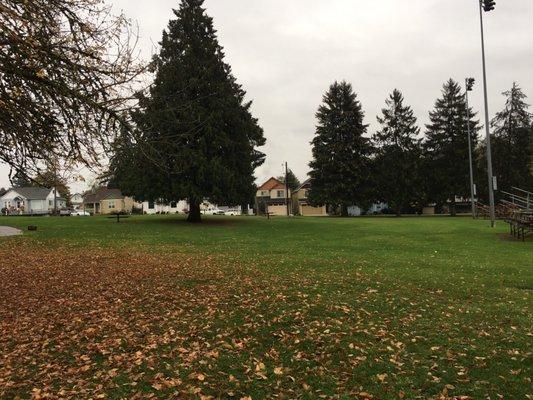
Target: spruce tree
514,115
446,147
510,141
398,155
340,169
198,139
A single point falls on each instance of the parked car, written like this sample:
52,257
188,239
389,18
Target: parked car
232,212
65,213
213,211
80,213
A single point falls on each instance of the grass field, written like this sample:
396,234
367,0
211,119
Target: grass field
244,307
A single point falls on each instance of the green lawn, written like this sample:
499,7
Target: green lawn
381,308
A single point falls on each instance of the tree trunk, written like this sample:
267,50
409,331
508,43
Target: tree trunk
344,210
453,212
398,211
194,212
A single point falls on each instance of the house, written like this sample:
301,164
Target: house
376,208
31,201
107,201
271,197
300,204
177,207
77,201
161,207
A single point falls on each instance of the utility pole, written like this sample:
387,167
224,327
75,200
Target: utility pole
287,188
469,86
487,5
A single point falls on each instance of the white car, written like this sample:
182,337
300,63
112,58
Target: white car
213,211
80,213
232,212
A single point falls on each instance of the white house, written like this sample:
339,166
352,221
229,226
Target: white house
30,200
174,207
77,201
355,211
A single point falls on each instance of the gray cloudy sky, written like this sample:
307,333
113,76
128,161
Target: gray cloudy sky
287,53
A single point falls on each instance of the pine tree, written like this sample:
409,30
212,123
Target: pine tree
510,142
398,155
446,147
294,182
340,169
197,137
514,115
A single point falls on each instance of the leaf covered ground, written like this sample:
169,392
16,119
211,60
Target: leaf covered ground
191,321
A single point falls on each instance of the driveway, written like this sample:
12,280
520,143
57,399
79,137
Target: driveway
8,231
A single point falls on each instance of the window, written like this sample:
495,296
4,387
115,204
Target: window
281,193
50,203
151,205
111,204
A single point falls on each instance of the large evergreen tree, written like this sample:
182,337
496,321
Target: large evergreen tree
197,136
446,147
510,141
340,168
398,155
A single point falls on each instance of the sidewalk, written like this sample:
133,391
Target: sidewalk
8,231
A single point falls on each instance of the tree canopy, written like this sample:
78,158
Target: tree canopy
67,69
398,155
446,147
294,182
196,138
511,136
340,169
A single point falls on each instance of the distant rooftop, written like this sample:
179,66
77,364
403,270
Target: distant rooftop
33,193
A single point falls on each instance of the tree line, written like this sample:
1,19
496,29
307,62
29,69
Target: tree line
397,166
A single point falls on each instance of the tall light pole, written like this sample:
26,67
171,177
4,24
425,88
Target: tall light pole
469,86
487,5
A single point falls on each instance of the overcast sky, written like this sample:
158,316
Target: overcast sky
287,53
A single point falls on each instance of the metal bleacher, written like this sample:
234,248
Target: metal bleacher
517,210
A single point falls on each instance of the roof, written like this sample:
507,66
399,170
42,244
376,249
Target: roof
33,193
271,184
102,193
305,185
